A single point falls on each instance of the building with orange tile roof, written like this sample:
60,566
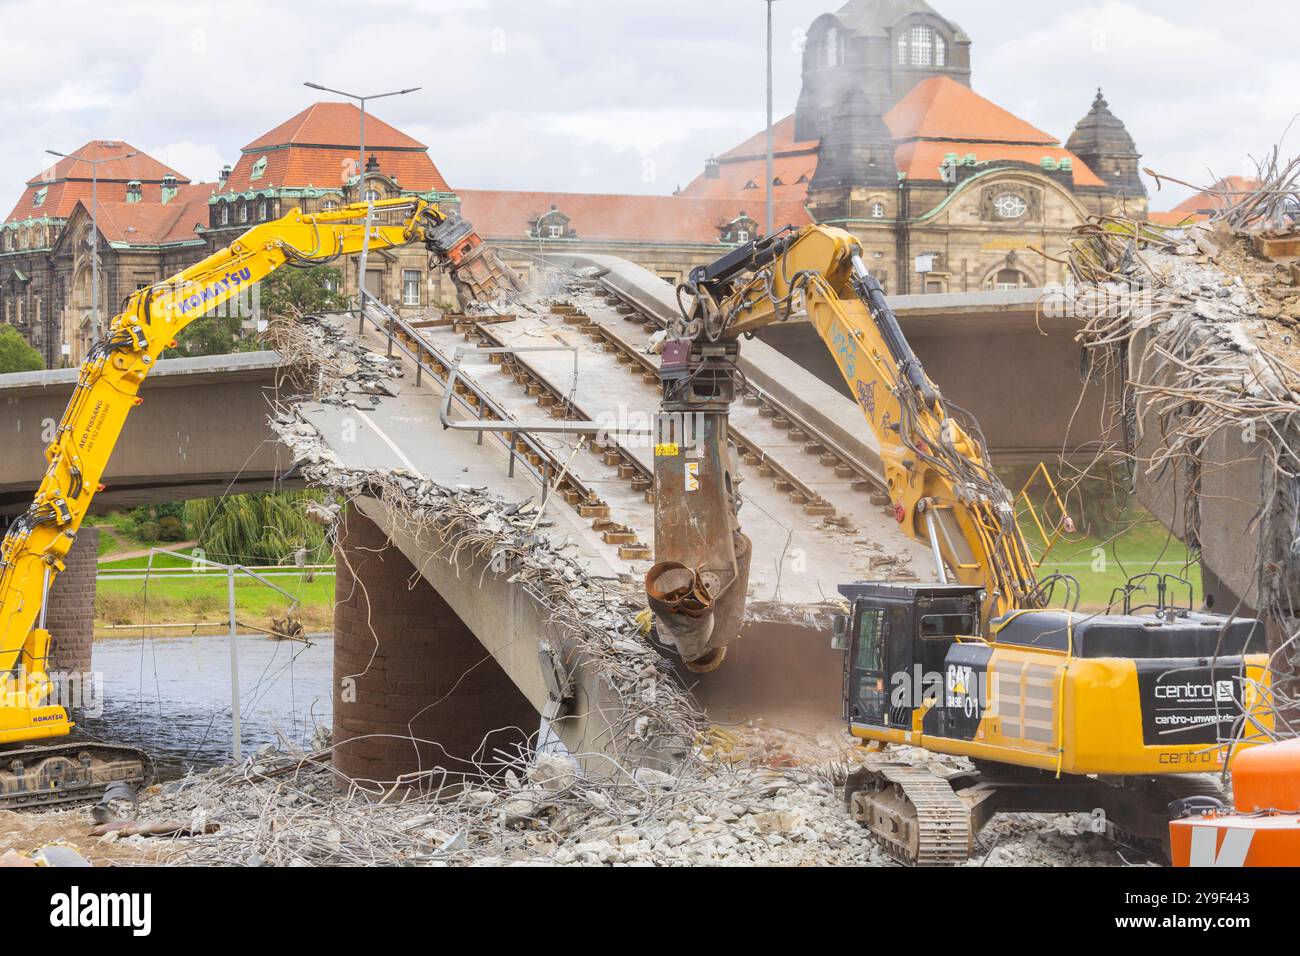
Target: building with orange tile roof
669,235
948,190
144,206
311,162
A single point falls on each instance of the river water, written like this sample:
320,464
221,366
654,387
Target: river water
171,696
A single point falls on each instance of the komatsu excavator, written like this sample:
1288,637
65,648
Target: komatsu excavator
32,774
1057,710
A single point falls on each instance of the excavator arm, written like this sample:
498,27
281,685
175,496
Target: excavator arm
942,487
108,388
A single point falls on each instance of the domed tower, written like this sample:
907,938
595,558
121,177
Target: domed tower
1102,142
882,47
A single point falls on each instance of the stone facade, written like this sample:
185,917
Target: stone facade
311,162
45,256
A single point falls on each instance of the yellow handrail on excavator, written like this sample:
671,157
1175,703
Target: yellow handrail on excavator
108,388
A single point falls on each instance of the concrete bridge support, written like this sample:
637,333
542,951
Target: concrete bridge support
70,611
414,689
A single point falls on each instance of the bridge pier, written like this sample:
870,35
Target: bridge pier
414,690
70,610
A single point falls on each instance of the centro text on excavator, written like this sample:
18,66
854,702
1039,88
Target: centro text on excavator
1057,710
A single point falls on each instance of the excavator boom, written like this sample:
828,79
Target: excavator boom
942,488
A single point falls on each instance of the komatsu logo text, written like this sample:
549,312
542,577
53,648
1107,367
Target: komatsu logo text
212,291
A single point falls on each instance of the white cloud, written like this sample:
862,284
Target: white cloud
579,94
1196,89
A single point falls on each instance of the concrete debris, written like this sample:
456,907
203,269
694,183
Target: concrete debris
729,816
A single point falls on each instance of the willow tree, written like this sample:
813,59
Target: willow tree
259,529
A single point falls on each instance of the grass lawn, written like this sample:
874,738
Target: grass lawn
1101,566
162,600
159,561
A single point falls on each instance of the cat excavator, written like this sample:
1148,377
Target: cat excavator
1056,710
37,774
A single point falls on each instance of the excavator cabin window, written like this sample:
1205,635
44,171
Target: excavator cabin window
948,626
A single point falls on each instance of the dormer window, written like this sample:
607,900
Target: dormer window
243,211
261,210
739,231
225,213
371,195
39,198
329,205
259,168
553,224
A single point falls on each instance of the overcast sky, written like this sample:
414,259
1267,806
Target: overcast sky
608,95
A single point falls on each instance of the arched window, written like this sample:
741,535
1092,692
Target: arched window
877,210
921,45
831,53
1007,279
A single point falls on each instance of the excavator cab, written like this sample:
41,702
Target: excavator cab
898,642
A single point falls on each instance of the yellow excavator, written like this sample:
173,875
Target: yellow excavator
107,390
1057,710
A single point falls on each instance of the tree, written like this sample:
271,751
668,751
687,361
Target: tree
254,529
15,354
213,335
291,290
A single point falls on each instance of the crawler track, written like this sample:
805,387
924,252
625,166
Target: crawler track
77,771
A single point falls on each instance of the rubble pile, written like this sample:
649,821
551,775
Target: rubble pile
283,809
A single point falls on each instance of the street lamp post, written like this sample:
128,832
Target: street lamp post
94,231
771,158
361,179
